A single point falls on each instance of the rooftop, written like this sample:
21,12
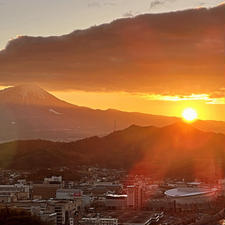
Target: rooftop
187,192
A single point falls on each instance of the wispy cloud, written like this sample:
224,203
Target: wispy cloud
156,3
222,3
110,3
94,4
213,98
97,4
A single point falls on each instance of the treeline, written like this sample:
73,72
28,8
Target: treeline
18,217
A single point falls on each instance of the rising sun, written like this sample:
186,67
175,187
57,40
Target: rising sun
189,115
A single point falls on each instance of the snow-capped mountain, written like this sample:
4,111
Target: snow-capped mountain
29,94
29,112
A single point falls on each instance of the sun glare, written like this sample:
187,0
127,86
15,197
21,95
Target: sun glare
189,115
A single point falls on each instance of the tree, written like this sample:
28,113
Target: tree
18,217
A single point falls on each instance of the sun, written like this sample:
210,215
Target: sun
189,115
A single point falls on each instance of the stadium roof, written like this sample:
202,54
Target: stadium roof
188,192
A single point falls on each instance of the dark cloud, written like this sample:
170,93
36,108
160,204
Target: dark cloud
177,52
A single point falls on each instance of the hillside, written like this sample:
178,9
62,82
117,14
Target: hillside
175,150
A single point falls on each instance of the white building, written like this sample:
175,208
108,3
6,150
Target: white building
113,201
75,195
53,180
69,194
188,195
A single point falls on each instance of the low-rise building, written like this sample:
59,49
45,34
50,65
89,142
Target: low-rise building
114,201
99,221
44,191
53,180
10,193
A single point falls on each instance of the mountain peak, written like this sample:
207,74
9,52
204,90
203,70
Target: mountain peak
28,94
25,89
29,87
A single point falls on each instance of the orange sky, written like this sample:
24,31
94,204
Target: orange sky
158,105
153,63
207,109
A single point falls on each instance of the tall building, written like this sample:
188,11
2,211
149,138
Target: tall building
135,196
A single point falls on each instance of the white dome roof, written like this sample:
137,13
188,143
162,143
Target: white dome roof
188,192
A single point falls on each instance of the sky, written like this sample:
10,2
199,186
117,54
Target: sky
158,63
57,17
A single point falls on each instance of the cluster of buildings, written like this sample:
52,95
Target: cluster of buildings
101,200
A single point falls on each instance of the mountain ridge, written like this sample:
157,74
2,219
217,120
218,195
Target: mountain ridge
177,150
29,112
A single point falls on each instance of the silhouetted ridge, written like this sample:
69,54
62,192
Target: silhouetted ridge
170,151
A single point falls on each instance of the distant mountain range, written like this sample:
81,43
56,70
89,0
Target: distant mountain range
29,112
177,150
